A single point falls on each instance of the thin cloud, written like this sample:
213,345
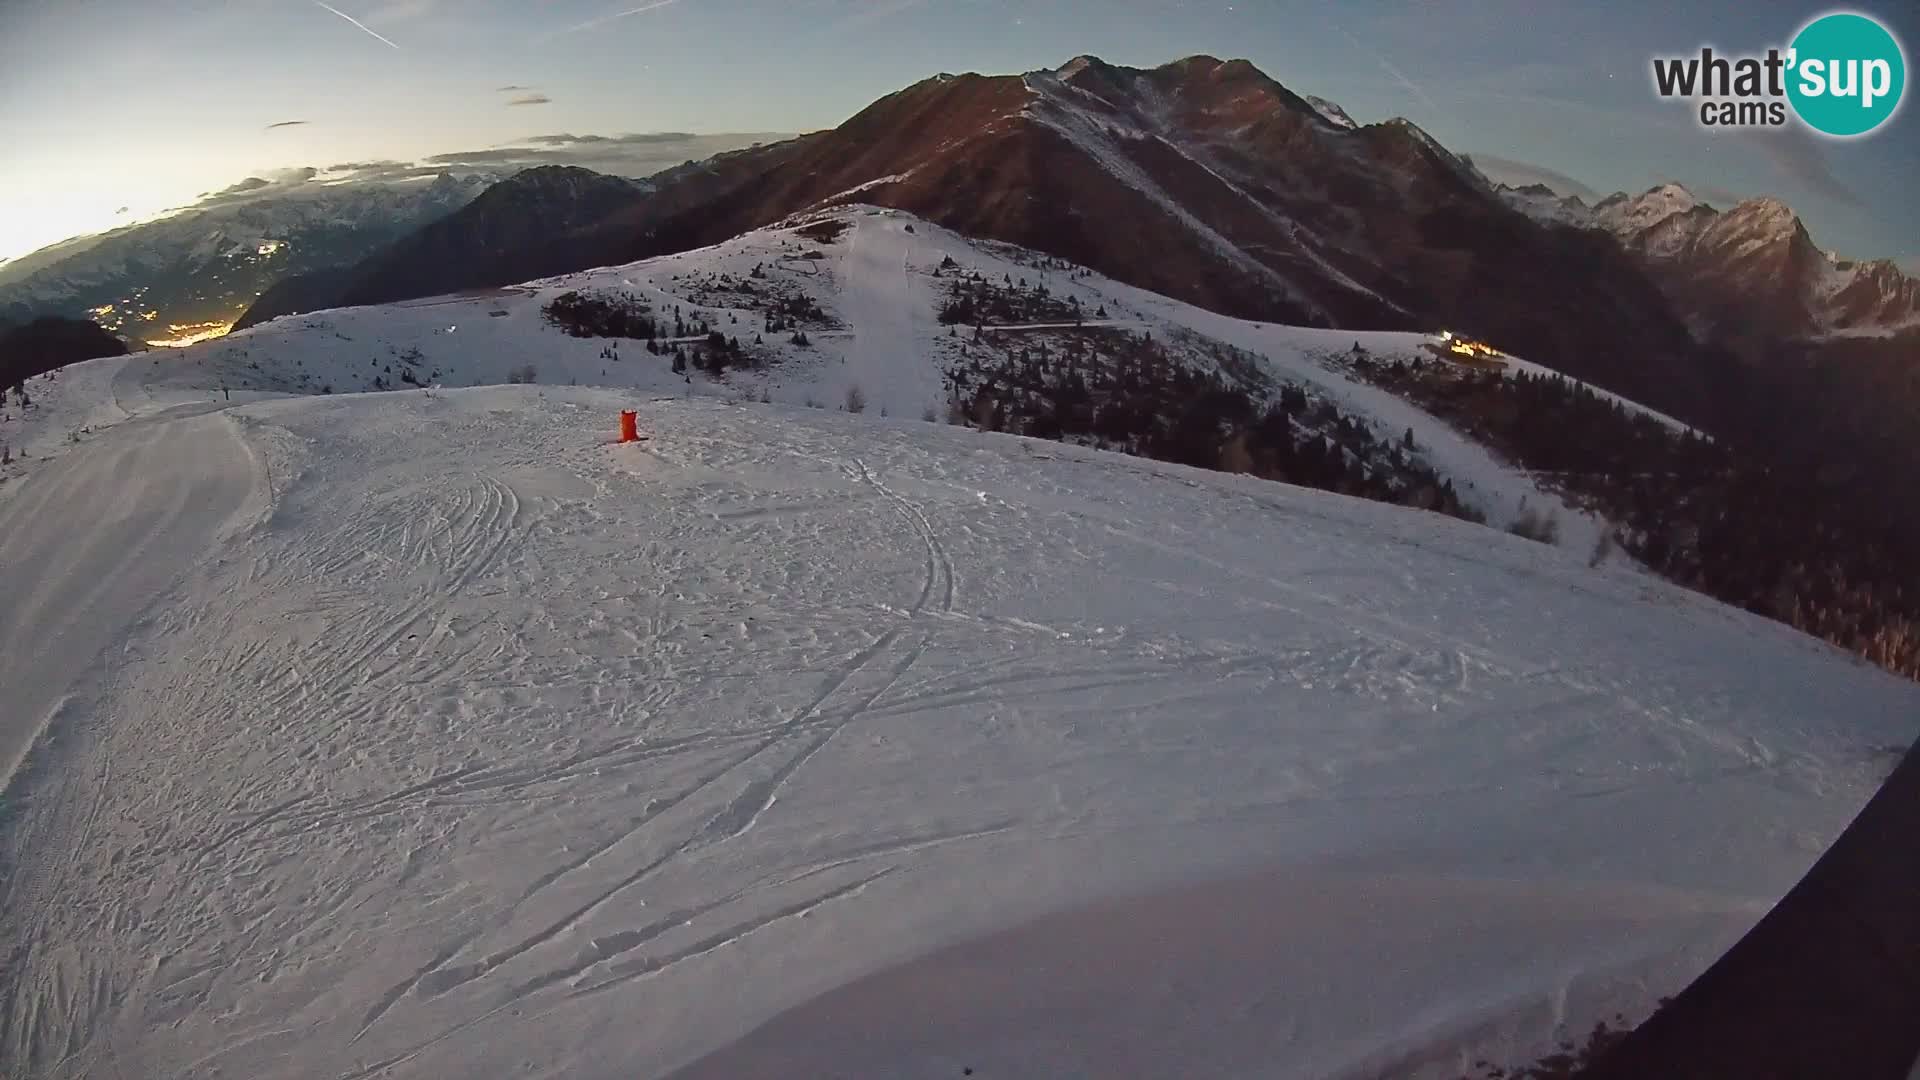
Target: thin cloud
1802,157
382,172
363,26
531,99
640,139
1387,66
1514,173
616,155
286,124
1793,151
1716,195
631,155
252,187
362,166
249,185
655,5
515,89
511,157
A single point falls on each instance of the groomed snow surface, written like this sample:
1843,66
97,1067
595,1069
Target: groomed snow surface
459,741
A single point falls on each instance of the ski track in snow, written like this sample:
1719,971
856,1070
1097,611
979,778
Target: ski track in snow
477,740
432,734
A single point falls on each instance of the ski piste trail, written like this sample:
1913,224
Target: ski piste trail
432,733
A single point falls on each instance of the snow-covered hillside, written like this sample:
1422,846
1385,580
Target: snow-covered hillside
879,286
423,734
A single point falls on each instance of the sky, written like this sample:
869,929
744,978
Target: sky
112,111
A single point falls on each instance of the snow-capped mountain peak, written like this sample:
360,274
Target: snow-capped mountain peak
1547,206
1753,269
1762,214
1072,68
1672,193
1330,112
1626,214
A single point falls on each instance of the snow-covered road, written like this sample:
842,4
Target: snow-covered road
472,744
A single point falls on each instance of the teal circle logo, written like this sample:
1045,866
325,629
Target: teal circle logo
1847,74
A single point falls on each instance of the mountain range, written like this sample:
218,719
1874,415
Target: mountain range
192,274
1203,180
1207,181
1746,275
495,233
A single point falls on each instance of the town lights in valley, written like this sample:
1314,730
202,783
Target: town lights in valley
191,334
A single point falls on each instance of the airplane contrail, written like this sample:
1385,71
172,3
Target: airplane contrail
356,22
1398,76
591,23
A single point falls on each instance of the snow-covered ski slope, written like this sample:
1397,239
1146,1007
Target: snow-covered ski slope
437,735
877,285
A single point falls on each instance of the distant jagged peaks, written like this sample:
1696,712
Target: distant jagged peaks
1623,214
1627,216
1751,273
